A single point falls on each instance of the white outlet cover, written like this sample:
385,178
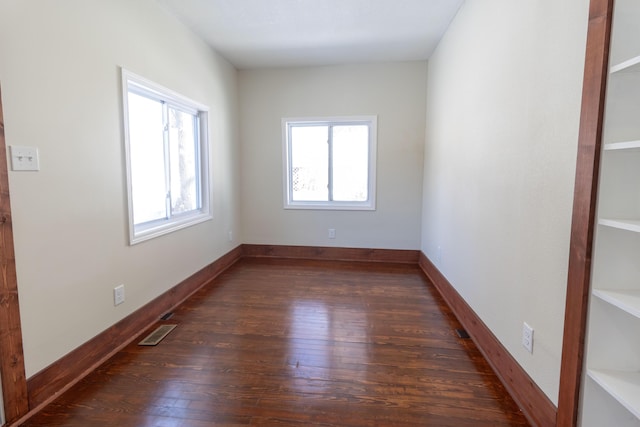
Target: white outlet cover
118,295
24,158
527,337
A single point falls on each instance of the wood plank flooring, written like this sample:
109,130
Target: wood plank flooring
298,343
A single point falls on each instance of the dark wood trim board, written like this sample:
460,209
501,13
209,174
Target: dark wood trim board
332,253
536,406
584,209
12,370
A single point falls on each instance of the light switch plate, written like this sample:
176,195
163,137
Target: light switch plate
24,158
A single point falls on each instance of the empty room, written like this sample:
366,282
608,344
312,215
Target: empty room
332,213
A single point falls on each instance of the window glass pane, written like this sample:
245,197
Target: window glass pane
309,163
146,153
183,161
350,163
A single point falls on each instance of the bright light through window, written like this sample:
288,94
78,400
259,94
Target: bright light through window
147,159
309,163
330,163
350,163
166,145
184,166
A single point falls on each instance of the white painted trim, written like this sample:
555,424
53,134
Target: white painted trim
370,204
152,230
160,91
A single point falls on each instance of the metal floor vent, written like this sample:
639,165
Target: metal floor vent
158,335
462,334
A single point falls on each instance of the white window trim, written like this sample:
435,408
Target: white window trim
158,228
368,205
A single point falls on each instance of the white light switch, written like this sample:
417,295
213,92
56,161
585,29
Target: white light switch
24,158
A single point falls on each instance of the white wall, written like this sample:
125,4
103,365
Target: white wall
59,71
503,112
394,92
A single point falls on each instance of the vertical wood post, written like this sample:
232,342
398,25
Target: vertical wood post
14,383
584,208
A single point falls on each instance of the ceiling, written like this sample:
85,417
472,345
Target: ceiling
287,33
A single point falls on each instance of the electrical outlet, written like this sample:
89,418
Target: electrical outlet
332,233
527,337
230,236
118,295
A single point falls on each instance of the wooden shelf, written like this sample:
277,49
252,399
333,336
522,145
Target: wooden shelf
631,65
622,224
622,386
623,145
626,300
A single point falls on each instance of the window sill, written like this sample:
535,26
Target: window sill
330,206
162,228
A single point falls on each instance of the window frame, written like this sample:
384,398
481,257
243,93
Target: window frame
134,83
368,205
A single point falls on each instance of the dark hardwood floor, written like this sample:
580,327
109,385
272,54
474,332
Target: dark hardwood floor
298,343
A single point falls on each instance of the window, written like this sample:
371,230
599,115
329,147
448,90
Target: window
330,163
166,151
